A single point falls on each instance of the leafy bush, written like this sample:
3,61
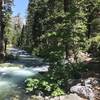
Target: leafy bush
48,88
96,25
64,72
94,46
57,92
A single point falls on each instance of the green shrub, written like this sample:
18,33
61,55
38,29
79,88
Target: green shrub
48,88
57,92
94,46
66,71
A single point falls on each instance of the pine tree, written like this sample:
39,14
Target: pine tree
5,6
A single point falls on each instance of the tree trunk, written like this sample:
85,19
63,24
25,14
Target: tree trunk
1,32
89,27
66,9
89,20
66,5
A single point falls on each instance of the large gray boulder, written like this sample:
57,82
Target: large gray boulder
85,88
83,91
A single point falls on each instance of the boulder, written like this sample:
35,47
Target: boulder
83,91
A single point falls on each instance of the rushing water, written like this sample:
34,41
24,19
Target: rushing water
12,78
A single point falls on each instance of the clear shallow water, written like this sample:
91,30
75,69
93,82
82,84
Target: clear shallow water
12,77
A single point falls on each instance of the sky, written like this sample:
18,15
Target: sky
20,6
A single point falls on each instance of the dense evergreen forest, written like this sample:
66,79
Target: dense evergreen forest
65,33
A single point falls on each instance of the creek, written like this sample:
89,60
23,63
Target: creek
14,73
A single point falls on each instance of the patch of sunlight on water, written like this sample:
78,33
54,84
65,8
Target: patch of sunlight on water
16,75
18,71
24,72
11,65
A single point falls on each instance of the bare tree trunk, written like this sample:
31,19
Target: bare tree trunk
66,9
66,5
1,32
89,20
89,28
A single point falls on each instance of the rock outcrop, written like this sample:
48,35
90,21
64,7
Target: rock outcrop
88,88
